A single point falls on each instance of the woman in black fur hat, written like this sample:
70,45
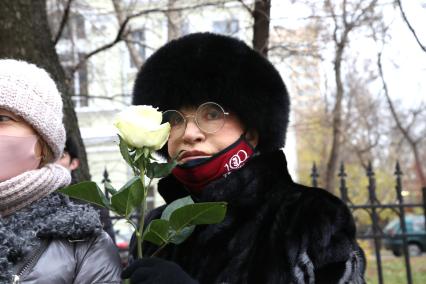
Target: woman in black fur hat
228,109
44,237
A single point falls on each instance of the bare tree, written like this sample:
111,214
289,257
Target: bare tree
362,120
174,20
261,15
63,22
121,17
122,30
261,19
404,17
406,131
344,23
410,126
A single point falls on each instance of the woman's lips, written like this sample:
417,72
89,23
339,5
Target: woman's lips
192,155
182,161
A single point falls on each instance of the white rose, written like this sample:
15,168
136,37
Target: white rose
140,126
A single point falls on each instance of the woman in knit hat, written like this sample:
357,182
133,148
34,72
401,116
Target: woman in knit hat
44,238
229,108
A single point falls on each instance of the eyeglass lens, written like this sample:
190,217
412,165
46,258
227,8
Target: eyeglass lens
209,117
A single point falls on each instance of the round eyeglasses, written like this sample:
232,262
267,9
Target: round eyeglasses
209,117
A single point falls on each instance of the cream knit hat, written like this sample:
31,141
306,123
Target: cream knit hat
30,92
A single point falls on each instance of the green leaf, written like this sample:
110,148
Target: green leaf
124,150
157,232
179,237
87,191
129,197
178,203
197,214
175,236
158,170
179,218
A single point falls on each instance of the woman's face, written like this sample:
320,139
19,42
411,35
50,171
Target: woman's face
13,125
195,143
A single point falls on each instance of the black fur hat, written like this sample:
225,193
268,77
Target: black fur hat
205,67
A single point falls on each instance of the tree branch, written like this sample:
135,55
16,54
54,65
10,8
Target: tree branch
411,140
389,101
64,20
365,10
409,26
247,7
334,17
308,51
136,59
120,34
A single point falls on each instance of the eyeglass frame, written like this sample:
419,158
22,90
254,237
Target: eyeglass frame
194,116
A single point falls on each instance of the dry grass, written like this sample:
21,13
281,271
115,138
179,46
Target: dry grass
394,271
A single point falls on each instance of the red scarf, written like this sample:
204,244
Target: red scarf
196,174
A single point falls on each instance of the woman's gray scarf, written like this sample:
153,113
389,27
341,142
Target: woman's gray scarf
52,217
22,190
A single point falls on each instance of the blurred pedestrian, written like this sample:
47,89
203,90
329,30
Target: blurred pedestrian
70,160
44,237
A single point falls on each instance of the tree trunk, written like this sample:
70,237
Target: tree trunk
330,175
348,19
336,125
418,164
174,21
137,60
25,34
261,15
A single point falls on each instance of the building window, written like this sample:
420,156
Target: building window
83,84
79,79
228,27
138,42
79,26
66,32
184,29
74,27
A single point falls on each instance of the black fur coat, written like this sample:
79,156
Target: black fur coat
275,231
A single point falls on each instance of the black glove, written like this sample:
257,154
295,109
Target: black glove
156,270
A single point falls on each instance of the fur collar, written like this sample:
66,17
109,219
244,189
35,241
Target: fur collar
53,217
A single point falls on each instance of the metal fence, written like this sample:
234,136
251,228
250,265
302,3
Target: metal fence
373,207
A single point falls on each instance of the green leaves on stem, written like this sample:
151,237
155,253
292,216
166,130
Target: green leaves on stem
178,219
87,191
128,198
122,202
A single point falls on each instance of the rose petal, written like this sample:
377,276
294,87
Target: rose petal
140,127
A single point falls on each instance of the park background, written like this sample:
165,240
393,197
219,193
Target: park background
355,71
